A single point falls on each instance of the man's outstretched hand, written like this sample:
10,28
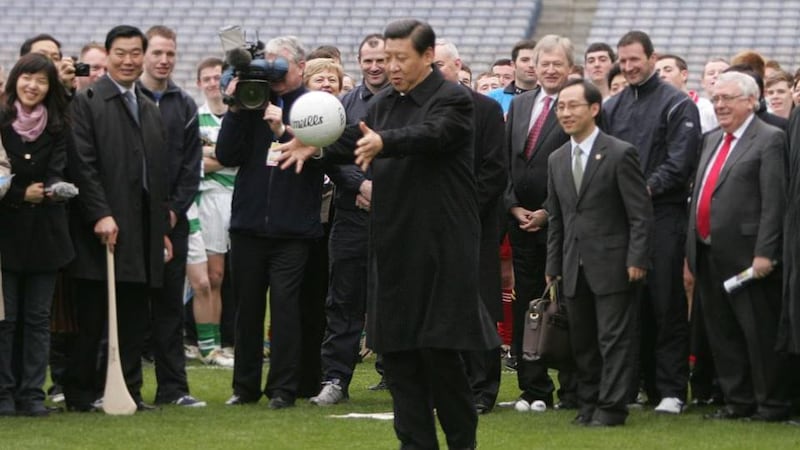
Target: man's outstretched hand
367,147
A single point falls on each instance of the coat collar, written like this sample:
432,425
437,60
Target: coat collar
425,90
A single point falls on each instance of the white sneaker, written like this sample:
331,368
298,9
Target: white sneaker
522,405
330,394
218,358
538,406
228,351
670,405
191,351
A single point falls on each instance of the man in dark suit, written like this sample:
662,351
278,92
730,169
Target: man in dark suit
600,218
532,134
121,171
736,223
483,367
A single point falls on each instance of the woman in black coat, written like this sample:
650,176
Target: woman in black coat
34,238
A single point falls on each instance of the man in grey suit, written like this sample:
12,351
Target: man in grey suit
532,134
736,223
600,217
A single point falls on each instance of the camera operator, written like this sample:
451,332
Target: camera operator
47,45
275,217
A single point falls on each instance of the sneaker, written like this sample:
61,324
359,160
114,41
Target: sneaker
330,394
522,405
189,402
670,405
228,351
217,358
191,351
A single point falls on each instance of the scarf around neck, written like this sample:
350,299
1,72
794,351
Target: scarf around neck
30,125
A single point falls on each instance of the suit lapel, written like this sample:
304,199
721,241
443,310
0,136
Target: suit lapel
526,104
742,147
550,122
596,157
714,141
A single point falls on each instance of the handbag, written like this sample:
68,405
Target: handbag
546,335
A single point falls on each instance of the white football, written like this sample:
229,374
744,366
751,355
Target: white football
317,118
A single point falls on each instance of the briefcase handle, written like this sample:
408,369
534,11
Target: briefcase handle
550,292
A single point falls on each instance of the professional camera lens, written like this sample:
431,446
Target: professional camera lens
252,94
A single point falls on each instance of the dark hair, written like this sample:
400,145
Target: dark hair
615,70
600,47
637,37
325,51
679,62
209,62
125,31
466,68
501,62
372,40
525,44
748,70
161,31
55,101
26,46
777,77
421,34
577,69
591,94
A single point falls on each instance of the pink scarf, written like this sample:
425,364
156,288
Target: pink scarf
30,125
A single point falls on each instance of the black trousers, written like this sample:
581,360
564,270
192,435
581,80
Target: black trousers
166,315
703,376
483,371
742,330
345,305
81,383
663,323
601,331
424,379
530,259
261,264
312,317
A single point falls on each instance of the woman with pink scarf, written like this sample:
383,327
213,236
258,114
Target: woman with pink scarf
34,237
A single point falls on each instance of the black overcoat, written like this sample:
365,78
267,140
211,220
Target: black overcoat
34,237
425,230
110,150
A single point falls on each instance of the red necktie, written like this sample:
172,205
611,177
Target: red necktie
704,205
536,129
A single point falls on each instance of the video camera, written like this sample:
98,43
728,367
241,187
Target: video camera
255,74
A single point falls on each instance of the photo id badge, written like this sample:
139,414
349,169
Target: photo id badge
272,154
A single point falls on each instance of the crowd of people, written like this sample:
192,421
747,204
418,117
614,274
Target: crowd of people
449,202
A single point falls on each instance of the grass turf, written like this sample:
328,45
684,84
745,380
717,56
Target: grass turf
309,427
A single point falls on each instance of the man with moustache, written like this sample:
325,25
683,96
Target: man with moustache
663,124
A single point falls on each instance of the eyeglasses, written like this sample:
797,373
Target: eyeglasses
561,107
724,98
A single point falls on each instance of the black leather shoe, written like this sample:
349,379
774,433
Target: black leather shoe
84,408
724,414
142,407
760,417
581,420
279,403
600,424
482,408
381,386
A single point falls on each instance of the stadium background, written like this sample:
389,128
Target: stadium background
483,30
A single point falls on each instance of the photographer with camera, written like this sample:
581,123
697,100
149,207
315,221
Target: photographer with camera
275,217
48,46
